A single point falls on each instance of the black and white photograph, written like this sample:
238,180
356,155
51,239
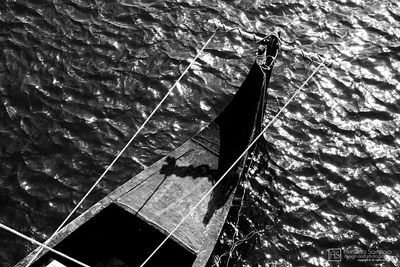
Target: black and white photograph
242,133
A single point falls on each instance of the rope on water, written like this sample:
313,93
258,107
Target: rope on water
234,163
41,245
126,146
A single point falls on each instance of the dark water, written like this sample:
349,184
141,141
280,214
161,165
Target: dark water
77,78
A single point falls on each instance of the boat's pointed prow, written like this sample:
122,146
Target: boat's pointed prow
242,119
128,224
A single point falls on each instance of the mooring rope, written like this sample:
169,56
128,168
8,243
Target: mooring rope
8,229
125,147
234,163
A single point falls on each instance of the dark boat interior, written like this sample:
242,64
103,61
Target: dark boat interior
132,241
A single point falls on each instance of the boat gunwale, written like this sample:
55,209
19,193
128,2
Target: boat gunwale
113,199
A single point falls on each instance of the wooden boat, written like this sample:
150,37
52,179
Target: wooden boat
126,226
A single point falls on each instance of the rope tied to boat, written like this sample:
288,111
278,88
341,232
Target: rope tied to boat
256,38
234,163
44,246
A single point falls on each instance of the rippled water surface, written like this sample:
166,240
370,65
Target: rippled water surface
77,78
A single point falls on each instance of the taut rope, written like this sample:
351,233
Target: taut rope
312,56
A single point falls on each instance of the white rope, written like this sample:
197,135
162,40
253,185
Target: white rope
233,165
41,245
125,147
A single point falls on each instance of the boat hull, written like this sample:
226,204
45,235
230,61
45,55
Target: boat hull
127,225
